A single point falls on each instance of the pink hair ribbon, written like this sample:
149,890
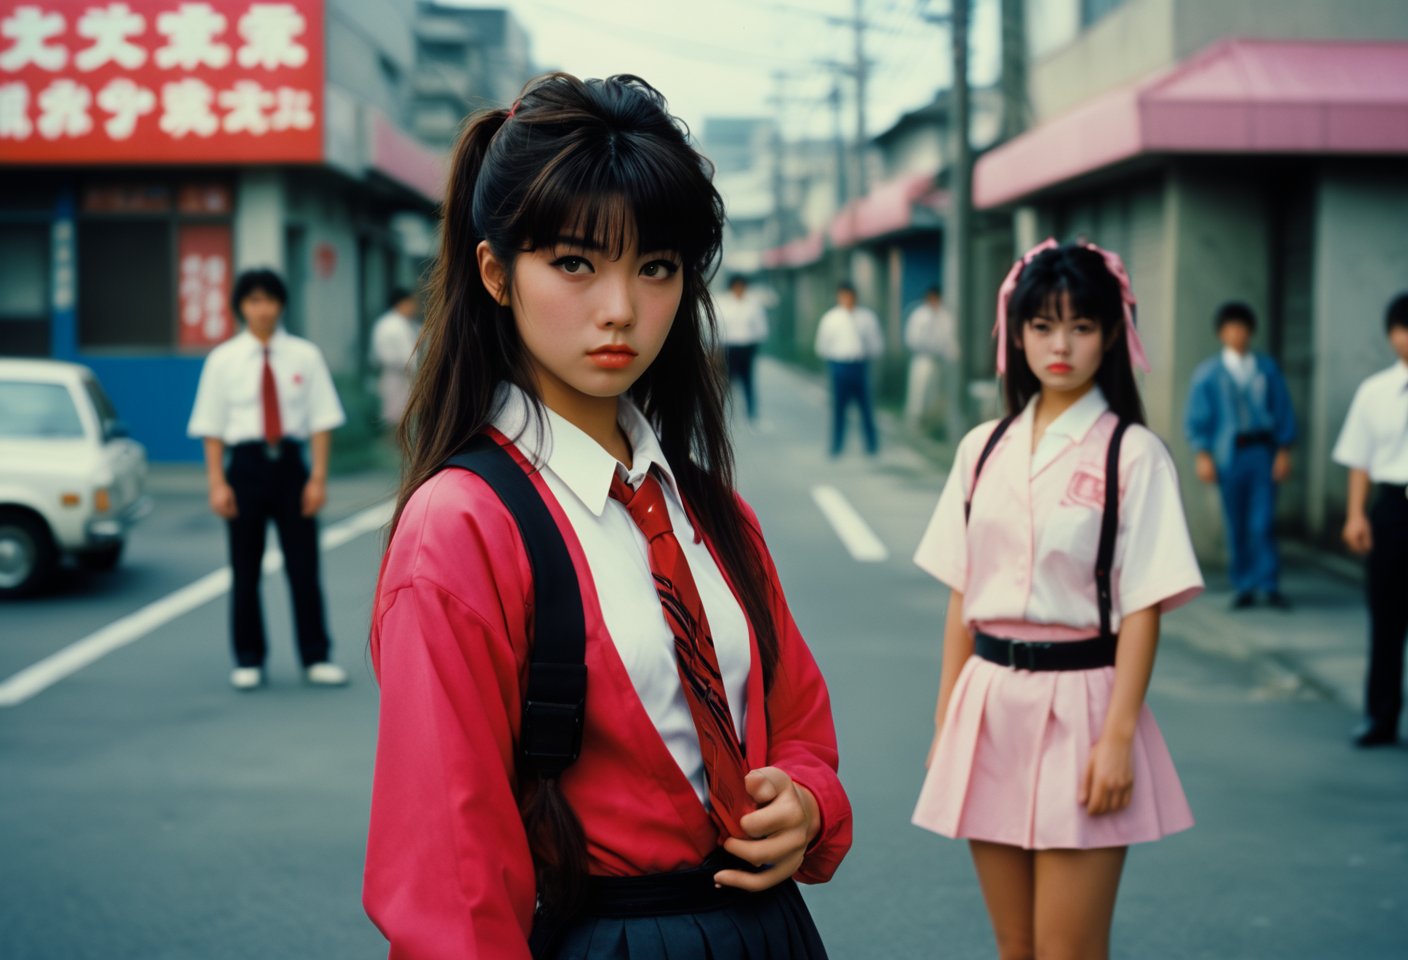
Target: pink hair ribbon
1113,263
1004,294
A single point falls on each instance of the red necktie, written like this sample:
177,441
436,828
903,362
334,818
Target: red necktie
273,426
724,765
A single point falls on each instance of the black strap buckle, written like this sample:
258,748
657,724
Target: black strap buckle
553,717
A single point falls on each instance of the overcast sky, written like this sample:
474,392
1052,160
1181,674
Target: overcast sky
717,57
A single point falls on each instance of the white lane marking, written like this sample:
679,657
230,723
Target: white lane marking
857,536
37,677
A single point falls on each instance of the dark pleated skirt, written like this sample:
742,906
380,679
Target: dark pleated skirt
680,916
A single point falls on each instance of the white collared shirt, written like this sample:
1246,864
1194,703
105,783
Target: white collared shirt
848,335
1375,433
929,331
578,471
230,398
741,320
1242,366
1068,429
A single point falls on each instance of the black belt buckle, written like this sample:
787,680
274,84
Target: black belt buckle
1022,655
273,451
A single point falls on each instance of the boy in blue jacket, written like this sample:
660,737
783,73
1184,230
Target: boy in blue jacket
1241,425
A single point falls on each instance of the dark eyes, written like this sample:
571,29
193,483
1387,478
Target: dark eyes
654,270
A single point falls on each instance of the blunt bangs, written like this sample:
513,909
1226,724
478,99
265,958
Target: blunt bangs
1092,293
609,186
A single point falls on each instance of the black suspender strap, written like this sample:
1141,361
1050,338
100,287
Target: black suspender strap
1109,528
988,447
555,701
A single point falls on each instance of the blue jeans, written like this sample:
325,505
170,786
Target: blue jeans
1249,510
850,384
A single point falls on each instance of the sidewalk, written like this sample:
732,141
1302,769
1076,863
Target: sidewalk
1316,649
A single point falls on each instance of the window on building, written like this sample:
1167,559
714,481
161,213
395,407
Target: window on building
1092,10
154,264
24,289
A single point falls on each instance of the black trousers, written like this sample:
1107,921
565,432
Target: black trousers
738,362
1388,606
271,488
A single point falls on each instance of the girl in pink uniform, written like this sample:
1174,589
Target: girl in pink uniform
1045,757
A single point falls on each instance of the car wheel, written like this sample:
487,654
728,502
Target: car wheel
101,558
27,554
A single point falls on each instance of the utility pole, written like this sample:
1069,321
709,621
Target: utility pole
1014,68
779,214
861,69
958,239
835,99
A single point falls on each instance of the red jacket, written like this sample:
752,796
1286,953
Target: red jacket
448,871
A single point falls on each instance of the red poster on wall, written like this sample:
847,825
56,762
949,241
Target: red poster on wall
161,81
205,259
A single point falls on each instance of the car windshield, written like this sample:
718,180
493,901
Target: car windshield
37,410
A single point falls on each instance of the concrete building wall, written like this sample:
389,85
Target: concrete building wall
324,212
1197,23
371,51
1361,263
1121,47
259,219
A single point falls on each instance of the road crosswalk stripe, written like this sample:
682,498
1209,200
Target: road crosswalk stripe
854,532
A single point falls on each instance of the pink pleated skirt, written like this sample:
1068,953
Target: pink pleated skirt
1012,753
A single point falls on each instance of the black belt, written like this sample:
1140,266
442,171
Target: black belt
272,451
1258,438
1046,655
682,891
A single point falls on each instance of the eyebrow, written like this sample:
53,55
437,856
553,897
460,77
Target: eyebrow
580,242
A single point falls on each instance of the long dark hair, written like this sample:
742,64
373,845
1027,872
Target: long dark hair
599,158
1080,273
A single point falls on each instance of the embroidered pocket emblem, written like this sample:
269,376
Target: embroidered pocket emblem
298,379
1086,489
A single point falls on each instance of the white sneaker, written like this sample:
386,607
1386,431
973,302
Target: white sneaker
247,678
325,675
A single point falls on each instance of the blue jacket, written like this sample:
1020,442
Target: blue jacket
1211,419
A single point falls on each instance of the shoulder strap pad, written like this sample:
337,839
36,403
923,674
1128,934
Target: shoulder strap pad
555,702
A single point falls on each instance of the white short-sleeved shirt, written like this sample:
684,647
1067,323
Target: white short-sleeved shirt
1025,560
1375,433
230,398
578,471
849,335
741,320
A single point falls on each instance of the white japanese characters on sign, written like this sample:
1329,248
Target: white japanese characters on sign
163,80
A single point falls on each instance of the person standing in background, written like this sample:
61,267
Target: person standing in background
1374,446
393,354
1241,425
742,326
266,405
847,338
933,347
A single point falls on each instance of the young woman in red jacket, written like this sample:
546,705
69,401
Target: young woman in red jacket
570,322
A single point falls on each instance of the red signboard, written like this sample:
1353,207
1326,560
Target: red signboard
203,285
161,81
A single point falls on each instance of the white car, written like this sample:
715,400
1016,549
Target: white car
71,480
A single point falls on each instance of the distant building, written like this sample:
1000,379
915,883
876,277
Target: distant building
467,59
137,178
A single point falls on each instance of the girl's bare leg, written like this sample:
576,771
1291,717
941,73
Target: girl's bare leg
1075,902
1007,875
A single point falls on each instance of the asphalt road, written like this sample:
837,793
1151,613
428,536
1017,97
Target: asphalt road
146,810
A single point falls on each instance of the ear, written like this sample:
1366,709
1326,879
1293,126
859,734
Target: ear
493,273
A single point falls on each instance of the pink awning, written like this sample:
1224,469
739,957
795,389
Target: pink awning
799,253
406,160
1237,96
887,208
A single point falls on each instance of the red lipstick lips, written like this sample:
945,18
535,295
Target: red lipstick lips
613,356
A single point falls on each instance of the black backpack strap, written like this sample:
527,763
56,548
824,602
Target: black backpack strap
1109,529
555,701
988,448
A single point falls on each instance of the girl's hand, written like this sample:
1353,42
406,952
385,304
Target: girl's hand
1109,777
1206,469
786,822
